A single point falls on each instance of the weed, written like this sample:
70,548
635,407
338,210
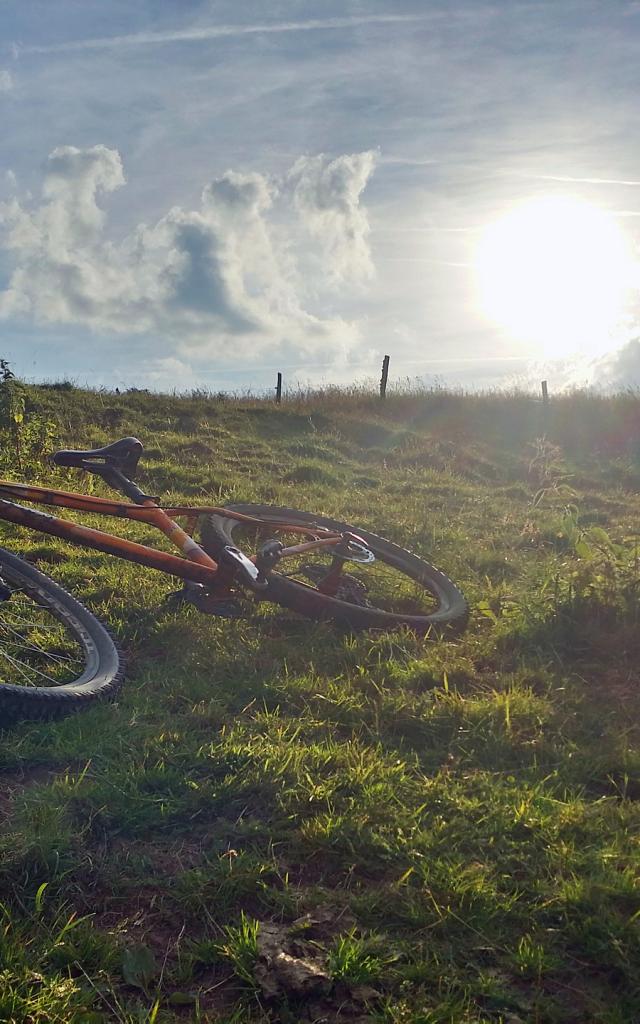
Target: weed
548,471
31,435
355,959
240,948
533,959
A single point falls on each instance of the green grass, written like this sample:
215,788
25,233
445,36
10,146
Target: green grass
451,826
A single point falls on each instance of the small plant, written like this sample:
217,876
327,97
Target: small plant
32,437
241,947
531,958
548,471
353,958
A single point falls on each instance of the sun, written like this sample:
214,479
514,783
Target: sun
556,272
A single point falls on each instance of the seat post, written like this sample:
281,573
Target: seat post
116,479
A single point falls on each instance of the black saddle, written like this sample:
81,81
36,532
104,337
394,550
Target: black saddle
122,456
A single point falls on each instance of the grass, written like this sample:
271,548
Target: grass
240,948
452,825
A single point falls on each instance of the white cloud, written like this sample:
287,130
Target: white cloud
617,370
327,195
610,373
171,372
6,80
207,278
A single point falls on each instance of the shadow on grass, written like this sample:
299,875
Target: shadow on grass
584,631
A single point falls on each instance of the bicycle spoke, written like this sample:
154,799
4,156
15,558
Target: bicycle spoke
378,584
35,652
38,650
20,669
340,579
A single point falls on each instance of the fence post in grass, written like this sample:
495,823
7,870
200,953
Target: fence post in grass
383,379
545,405
279,389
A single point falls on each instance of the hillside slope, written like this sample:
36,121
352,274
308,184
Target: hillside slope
448,828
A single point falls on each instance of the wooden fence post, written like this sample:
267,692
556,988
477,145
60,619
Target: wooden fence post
385,374
545,407
279,389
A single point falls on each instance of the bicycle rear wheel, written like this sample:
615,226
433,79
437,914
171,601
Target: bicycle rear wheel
399,589
55,656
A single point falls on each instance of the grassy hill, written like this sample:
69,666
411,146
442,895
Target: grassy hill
449,828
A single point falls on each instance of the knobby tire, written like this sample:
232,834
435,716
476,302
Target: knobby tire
102,668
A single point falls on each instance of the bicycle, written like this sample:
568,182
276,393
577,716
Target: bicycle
56,656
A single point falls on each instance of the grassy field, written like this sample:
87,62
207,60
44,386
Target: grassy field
445,830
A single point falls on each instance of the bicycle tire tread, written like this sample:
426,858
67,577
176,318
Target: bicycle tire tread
21,703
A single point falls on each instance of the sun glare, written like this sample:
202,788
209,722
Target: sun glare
556,273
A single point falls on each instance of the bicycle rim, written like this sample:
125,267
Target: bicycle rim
54,654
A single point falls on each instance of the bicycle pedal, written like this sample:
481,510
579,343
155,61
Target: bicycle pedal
243,568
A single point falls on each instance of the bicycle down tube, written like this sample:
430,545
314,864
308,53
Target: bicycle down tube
196,566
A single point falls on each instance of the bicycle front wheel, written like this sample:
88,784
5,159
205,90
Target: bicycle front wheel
55,656
398,589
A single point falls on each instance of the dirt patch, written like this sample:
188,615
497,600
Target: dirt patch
291,968
166,859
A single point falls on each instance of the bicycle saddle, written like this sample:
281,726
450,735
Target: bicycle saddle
121,455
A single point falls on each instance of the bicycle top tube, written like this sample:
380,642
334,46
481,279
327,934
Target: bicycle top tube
127,510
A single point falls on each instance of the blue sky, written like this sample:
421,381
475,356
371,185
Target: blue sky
202,193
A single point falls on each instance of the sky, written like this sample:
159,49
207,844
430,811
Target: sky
198,193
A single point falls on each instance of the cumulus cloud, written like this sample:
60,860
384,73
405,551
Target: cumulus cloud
327,195
617,370
6,80
610,373
170,371
202,276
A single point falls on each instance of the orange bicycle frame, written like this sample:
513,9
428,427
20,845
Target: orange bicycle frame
196,565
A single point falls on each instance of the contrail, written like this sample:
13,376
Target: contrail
423,230
422,259
197,35
588,181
